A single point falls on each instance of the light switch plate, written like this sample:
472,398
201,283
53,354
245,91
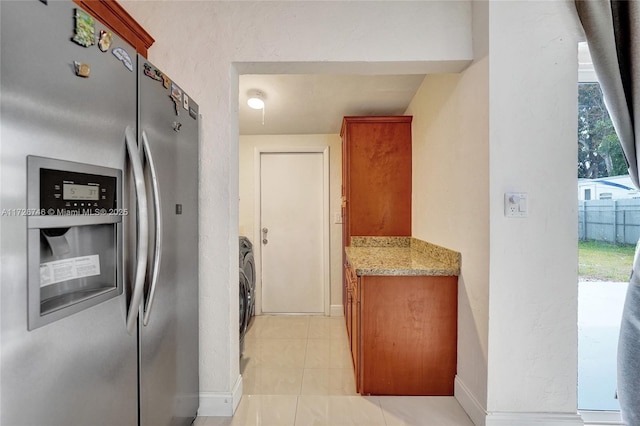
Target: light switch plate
516,204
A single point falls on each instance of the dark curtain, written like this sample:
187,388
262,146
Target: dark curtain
612,29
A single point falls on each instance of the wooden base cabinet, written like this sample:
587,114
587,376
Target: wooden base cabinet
404,334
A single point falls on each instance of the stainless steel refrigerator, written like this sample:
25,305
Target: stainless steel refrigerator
98,227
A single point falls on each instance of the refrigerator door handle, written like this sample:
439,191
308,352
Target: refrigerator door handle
143,230
157,208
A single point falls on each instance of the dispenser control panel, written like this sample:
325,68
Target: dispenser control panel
65,192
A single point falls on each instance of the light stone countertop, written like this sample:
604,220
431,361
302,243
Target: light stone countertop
401,256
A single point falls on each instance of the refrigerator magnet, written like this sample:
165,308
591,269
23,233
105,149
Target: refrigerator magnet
82,70
185,101
85,34
104,43
151,73
176,104
165,81
124,57
176,96
176,93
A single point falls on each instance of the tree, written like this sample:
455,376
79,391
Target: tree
599,150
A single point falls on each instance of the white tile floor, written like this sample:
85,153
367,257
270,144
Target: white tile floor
297,371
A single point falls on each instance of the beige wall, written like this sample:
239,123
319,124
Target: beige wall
450,203
248,145
450,197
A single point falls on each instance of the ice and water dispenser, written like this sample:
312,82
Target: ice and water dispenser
74,237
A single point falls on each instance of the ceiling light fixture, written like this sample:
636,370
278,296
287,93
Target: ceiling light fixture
256,101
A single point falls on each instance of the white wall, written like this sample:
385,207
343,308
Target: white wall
204,45
248,145
534,260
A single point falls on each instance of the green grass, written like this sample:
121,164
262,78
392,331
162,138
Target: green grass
598,261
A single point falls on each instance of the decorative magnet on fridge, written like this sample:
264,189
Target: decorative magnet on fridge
105,40
149,72
165,81
124,57
176,97
82,70
176,93
85,34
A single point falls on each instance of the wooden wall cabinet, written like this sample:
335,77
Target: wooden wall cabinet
403,333
376,182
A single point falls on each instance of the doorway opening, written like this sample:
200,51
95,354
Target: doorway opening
609,226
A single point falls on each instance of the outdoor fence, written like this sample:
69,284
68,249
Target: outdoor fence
613,221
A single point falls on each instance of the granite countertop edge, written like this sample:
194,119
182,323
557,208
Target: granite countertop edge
401,256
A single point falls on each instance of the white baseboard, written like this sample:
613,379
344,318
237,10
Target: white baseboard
337,311
601,417
469,403
479,416
534,419
220,404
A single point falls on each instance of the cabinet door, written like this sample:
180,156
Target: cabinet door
355,326
379,178
408,335
355,335
348,314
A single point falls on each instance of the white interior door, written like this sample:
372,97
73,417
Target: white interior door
291,221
